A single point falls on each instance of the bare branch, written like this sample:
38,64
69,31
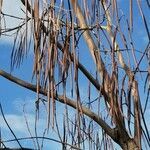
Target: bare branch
60,98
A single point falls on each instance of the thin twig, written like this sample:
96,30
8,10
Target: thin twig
16,139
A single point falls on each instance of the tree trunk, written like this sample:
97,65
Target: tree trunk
129,145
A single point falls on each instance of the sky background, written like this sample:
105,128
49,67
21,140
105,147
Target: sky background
14,97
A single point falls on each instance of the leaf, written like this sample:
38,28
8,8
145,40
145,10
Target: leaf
131,14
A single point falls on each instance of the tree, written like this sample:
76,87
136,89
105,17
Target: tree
57,30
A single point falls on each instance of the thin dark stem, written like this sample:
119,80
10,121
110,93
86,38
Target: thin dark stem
16,139
41,137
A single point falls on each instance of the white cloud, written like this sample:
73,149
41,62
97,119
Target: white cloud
16,122
17,119
19,126
12,7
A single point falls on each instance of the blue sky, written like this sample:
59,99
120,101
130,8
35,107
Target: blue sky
14,97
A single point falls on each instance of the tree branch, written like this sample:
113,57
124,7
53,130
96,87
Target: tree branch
80,66
60,98
130,74
94,50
